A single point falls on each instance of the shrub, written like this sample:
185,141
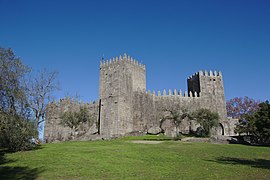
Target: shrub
207,120
257,124
16,133
74,119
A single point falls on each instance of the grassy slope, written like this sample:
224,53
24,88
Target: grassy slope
121,159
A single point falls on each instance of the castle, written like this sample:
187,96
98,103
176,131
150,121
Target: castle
125,107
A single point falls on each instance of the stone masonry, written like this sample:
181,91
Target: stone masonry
125,107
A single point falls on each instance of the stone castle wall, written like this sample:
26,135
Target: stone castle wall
124,106
56,131
148,108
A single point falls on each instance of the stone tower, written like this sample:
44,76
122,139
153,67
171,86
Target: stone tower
210,88
119,78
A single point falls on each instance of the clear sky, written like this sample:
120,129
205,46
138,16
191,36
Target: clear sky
174,39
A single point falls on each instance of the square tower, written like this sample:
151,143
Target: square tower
210,88
119,78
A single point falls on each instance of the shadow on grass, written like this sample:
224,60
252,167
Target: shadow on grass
257,163
16,172
3,159
7,172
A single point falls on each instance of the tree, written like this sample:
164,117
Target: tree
40,90
74,119
262,122
175,113
12,91
16,130
206,119
257,124
239,106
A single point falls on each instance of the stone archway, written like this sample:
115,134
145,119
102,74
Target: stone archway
221,129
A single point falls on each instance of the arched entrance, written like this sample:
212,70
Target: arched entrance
221,129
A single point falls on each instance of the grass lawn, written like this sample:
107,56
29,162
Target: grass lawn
122,159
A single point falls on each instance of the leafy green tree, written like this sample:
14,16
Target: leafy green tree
262,122
16,131
257,124
207,120
173,112
75,119
12,92
175,115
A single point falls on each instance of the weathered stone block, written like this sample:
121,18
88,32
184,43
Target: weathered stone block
154,130
171,132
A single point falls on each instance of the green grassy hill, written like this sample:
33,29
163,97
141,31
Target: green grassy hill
123,159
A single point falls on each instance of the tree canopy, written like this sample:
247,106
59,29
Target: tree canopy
257,124
74,119
239,106
22,101
207,120
39,90
176,114
12,91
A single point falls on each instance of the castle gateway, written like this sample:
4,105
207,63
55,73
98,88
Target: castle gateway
125,107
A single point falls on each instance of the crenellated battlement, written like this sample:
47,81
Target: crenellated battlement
70,101
67,104
206,74
170,93
120,59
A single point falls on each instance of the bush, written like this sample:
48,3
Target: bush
16,134
74,119
257,124
207,120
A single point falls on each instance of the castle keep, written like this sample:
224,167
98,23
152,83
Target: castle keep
125,107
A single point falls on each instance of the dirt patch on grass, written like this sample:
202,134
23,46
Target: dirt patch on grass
195,139
147,142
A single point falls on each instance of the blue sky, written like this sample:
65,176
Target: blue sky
173,38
